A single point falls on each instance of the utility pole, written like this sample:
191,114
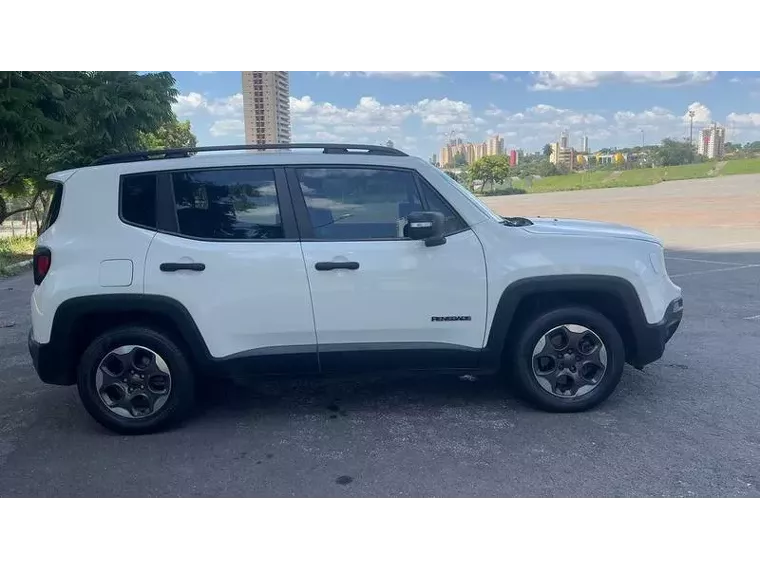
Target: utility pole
642,139
691,135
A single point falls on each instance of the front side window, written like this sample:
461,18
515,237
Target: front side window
434,202
358,203
231,204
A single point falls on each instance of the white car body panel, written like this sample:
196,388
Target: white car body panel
263,294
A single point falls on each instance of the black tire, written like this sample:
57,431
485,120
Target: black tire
521,356
181,397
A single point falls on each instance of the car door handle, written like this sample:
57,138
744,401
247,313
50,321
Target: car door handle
172,267
330,266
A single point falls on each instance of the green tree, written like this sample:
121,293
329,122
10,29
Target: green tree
547,151
171,134
454,176
460,161
545,168
672,153
490,170
57,120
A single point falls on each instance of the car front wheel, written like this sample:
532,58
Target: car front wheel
568,359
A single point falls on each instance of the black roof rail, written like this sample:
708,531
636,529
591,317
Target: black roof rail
184,152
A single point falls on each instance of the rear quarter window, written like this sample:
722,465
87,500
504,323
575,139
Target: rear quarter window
138,200
54,208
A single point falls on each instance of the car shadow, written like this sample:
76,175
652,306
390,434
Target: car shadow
334,395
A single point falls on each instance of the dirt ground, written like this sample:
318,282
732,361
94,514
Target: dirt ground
688,214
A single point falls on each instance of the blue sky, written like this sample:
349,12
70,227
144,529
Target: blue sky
417,109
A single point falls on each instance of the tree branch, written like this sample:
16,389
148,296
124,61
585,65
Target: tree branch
15,211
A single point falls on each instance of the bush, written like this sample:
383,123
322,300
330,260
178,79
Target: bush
504,191
14,250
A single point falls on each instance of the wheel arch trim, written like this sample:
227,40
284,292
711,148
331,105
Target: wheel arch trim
70,314
519,290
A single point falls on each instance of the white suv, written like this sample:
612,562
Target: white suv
155,269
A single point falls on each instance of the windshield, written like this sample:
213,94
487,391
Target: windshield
468,194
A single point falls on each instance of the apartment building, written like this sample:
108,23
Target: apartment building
266,107
494,146
711,143
562,156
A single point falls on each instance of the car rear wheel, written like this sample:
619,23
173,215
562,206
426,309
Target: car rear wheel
135,380
568,359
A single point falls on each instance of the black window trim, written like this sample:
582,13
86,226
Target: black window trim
419,179
54,207
302,213
166,211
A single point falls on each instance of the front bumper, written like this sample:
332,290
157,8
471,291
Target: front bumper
651,339
47,363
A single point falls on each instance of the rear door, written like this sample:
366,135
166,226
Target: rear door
228,250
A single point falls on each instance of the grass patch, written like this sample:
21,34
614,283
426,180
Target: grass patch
14,250
620,179
744,166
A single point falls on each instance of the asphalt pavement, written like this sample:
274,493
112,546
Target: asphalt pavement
685,426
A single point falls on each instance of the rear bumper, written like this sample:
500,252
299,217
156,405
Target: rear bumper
652,338
48,364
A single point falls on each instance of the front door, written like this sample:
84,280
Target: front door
380,299
230,254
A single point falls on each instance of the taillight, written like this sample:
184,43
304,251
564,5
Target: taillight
41,262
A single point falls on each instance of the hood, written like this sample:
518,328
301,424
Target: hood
553,226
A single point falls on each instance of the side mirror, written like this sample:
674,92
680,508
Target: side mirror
426,226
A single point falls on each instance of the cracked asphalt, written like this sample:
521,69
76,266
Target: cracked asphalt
687,425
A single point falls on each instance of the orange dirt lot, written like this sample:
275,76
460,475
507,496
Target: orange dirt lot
719,212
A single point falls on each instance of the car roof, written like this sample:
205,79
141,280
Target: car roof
278,155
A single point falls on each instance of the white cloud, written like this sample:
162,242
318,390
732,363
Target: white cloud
701,113
371,117
205,72
443,111
653,118
563,80
227,127
194,103
391,74
432,120
498,77
744,120
226,106
745,79
188,105
547,116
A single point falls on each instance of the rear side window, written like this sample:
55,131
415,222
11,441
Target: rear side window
54,208
230,204
138,200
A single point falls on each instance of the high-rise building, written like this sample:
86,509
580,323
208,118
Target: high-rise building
495,145
513,158
712,142
584,145
266,107
564,140
471,151
562,156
